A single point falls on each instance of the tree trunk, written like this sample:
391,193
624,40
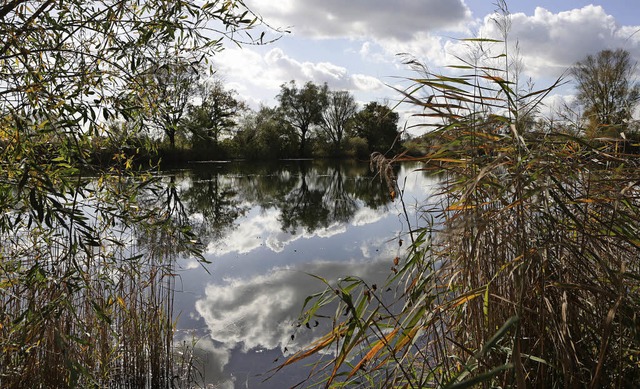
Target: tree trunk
172,138
303,141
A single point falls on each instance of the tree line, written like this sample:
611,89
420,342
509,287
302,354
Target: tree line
198,114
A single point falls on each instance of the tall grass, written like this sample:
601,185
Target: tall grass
92,310
527,276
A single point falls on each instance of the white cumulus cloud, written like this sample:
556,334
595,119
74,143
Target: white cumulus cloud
552,42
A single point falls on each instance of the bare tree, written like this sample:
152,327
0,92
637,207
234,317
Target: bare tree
607,90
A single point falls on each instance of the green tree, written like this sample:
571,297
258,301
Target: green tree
378,124
216,114
303,108
265,135
341,107
607,90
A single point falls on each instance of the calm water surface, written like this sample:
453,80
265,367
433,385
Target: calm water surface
266,228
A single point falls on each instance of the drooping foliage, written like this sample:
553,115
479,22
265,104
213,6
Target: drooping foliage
85,257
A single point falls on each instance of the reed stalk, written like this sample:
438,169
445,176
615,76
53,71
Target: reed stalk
97,312
528,274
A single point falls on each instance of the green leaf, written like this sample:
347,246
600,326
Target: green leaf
480,378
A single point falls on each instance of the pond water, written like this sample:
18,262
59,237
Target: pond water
266,228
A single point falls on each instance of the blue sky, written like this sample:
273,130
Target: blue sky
353,45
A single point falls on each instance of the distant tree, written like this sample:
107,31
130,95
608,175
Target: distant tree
378,125
303,107
171,84
217,113
265,134
341,107
607,90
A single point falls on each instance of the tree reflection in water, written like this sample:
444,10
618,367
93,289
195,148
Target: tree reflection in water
213,202
267,228
309,195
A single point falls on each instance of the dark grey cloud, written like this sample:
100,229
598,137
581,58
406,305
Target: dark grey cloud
376,19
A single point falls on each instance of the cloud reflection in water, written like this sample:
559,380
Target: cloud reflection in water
262,257
261,312
264,228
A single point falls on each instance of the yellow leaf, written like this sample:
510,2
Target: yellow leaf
374,351
460,207
319,345
588,201
466,298
452,160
